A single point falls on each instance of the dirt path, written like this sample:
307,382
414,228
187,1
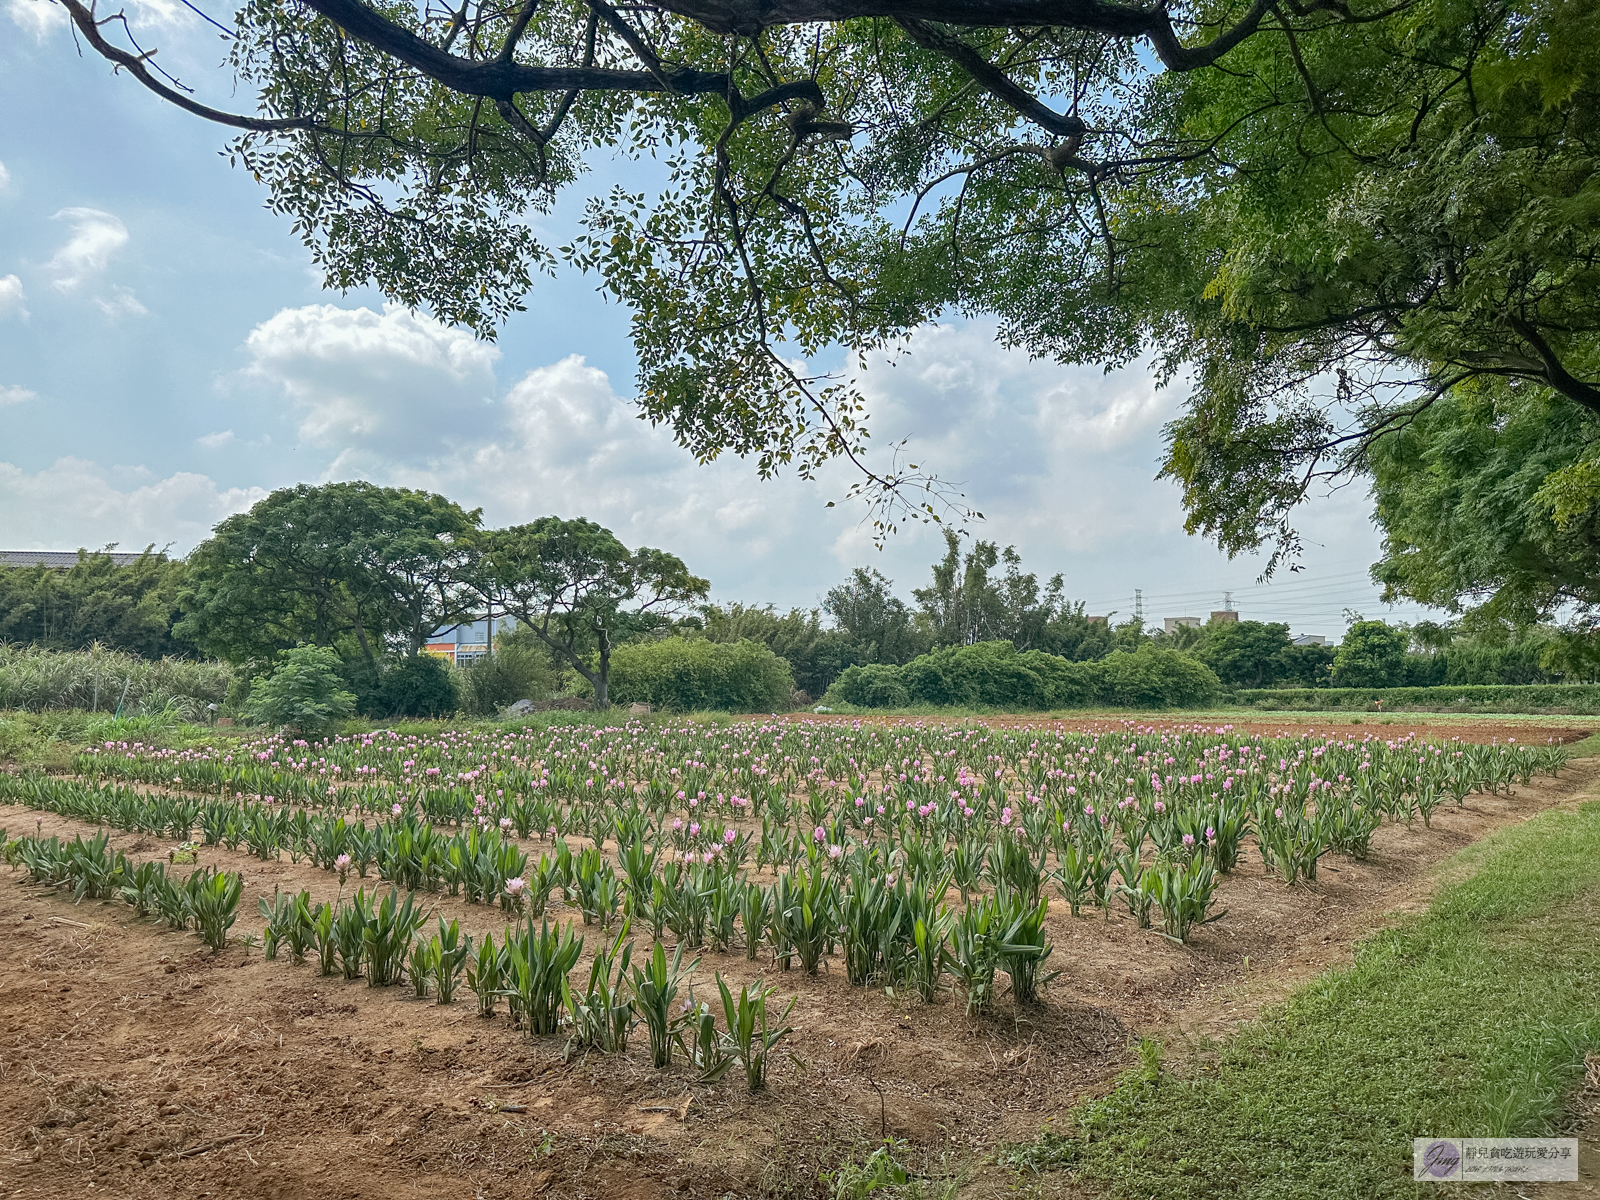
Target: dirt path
134,1062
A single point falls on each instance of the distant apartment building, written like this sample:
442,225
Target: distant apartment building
1311,639
467,643
1171,625
1224,616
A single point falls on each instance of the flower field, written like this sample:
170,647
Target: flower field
751,916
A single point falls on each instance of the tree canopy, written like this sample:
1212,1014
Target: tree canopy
129,608
320,564
573,584
1399,216
1329,216
838,171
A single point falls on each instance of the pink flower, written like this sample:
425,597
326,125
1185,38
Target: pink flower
728,837
1188,839
819,835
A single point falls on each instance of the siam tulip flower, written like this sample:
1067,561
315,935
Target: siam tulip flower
1188,839
819,835
728,837
395,810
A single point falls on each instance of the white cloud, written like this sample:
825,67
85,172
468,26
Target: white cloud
96,236
376,387
14,395
1062,460
121,303
42,17
36,17
13,301
215,441
77,503
5,178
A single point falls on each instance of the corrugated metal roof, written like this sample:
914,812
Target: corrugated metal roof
61,560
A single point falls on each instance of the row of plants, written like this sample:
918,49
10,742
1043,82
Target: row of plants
206,901
886,910
381,938
1499,698
459,777
1097,856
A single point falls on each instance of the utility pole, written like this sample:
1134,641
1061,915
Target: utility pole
1138,604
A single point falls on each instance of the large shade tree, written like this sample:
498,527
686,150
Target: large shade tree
838,171
1329,214
572,584
331,563
1392,255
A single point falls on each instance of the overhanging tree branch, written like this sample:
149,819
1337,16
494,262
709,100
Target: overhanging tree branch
84,20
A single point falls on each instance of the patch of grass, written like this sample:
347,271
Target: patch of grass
1587,748
1471,1020
48,740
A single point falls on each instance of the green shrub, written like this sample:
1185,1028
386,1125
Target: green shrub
510,674
692,674
1510,698
304,693
876,685
419,686
1152,678
987,673
1063,682
994,675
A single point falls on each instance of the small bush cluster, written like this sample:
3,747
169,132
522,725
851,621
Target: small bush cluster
996,675
695,675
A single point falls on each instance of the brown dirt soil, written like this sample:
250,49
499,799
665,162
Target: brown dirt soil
135,1063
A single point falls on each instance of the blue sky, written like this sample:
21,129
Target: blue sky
168,355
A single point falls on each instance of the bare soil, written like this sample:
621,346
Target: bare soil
135,1063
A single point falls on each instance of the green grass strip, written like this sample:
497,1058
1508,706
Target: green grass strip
1471,1020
